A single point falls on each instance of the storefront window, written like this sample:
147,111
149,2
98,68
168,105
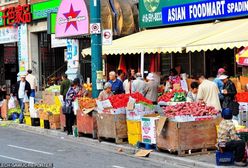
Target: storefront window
166,63
181,59
197,64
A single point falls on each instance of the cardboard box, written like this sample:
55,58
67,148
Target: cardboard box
49,97
148,127
54,118
55,125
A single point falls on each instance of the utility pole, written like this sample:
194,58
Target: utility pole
96,43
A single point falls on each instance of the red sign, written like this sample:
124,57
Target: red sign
17,15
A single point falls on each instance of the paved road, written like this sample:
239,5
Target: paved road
24,147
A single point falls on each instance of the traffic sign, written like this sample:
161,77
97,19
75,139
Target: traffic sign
107,37
95,28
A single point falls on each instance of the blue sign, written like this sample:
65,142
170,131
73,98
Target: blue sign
202,11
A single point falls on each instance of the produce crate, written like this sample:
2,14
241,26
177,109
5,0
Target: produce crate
186,137
28,120
54,118
133,139
112,126
134,127
4,110
226,158
49,97
54,125
62,120
86,123
41,123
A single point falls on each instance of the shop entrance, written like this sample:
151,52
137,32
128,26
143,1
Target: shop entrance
52,61
8,65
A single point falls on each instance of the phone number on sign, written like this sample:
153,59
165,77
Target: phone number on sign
26,165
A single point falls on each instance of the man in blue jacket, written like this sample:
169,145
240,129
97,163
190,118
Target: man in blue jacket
117,85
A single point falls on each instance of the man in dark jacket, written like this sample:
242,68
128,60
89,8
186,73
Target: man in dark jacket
22,91
65,85
229,91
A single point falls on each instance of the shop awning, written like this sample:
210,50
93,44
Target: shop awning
176,39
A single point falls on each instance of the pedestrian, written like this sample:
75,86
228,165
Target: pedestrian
208,93
32,81
174,78
117,85
106,93
22,92
151,89
133,72
229,91
120,75
65,85
192,95
139,84
219,83
80,90
228,139
127,84
68,110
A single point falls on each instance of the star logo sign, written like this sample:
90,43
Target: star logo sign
71,18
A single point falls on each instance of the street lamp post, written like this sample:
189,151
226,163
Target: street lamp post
96,43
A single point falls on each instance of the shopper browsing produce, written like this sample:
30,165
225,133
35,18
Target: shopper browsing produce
228,140
208,93
139,84
219,83
106,93
127,84
151,90
174,78
192,95
65,85
229,91
117,85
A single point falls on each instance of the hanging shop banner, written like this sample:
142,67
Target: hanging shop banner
23,48
72,19
8,35
58,42
17,15
155,13
43,9
72,54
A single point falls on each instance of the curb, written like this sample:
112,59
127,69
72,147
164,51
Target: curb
126,149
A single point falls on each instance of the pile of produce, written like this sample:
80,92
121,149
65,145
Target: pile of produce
121,100
86,102
242,97
53,88
54,109
87,86
189,109
175,96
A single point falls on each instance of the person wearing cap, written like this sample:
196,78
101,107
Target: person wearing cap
229,91
139,84
117,85
219,83
22,89
151,89
106,93
228,139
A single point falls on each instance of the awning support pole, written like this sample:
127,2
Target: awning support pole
142,63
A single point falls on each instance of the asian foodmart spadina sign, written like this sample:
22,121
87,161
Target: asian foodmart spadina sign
155,13
72,19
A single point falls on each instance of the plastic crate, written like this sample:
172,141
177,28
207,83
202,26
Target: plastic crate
225,158
243,136
134,127
41,123
28,120
134,138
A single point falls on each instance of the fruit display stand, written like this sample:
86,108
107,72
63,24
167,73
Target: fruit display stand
187,137
86,123
112,126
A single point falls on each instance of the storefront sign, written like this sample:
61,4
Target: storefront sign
8,35
42,9
58,42
72,54
72,19
51,23
155,13
23,47
17,15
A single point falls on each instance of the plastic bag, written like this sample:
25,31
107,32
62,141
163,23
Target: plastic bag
75,106
25,99
11,103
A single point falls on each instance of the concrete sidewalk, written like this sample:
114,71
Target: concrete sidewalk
204,161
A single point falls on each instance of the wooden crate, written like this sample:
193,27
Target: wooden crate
62,120
184,137
4,110
86,123
112,126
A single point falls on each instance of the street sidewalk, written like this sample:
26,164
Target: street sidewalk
203,161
